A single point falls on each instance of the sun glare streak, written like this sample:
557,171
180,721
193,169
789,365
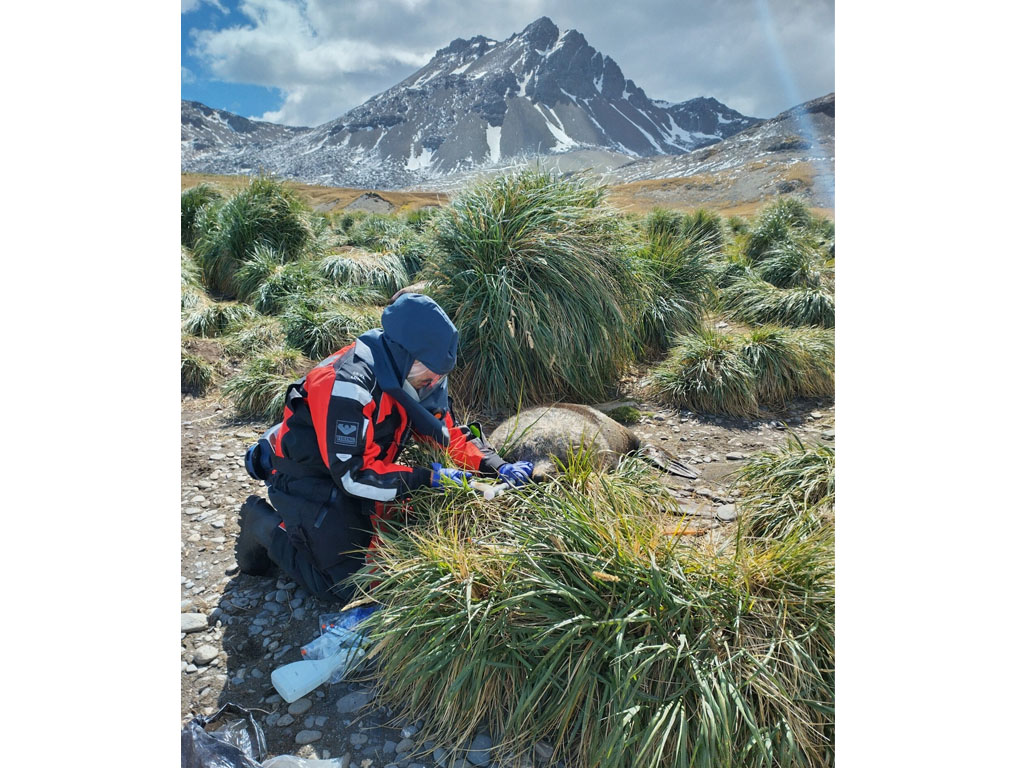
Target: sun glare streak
788,83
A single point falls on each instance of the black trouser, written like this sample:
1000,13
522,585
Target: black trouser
327,534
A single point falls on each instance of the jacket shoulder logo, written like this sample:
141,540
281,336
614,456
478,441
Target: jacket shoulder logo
345,432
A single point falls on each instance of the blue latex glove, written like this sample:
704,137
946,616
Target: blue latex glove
516,474
458,475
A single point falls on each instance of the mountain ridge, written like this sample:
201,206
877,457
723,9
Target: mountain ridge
477,103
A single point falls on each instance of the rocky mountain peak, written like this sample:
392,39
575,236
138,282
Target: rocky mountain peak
481,102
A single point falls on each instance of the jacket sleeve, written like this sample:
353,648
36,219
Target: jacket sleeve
468,450
357,462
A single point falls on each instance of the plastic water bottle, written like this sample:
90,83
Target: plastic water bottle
295,680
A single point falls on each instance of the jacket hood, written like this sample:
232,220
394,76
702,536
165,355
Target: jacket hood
416,328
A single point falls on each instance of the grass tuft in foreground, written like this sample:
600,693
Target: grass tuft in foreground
566,613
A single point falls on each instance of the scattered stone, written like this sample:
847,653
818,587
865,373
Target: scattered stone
353,702
285,720
358,739
726,512
193,622
404,745
307,737
300,707
828,434
816,414
480,750
409,731
735,456
543,751
440,755
205,654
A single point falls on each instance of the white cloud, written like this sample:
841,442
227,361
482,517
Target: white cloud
321,70
191,5
187,76
326,57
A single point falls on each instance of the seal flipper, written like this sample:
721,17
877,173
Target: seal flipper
664,461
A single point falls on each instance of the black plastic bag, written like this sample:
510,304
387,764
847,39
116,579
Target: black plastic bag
239,744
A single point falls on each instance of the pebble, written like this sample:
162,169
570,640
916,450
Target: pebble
735,456
440,755
205,654
284,721
405,745
726,512
307,737
300,707
358,739
543,751
193,622
480,750
353,702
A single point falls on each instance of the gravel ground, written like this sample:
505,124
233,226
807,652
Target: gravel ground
236,629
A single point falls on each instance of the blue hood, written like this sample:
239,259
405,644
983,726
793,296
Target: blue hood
415,328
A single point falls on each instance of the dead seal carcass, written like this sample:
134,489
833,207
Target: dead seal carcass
541,432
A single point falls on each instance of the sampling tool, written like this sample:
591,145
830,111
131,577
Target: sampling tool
488,490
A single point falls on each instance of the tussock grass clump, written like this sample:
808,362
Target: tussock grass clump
269,281
384,272
264,213
202,316
197,374
776,224
318,326
757,301
705,372
530,271
674,288
795,264
258,391
789,491
789,362
192,200
261,335
735,374
573,617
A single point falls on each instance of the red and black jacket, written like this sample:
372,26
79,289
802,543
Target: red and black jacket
338,422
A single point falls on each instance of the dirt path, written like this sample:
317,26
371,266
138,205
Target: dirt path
237,628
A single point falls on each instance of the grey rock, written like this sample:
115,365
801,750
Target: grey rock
358,739
307,737
440,755
320,721
389,747
409,731
205,654
300,707
285,720
480,750
353,702
828,434
735,456
543,751
193,622
726,512
405,745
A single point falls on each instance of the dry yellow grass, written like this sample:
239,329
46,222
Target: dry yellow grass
335,197
635,197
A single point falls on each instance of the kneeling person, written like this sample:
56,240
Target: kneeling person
334,455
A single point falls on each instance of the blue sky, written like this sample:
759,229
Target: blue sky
304,62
